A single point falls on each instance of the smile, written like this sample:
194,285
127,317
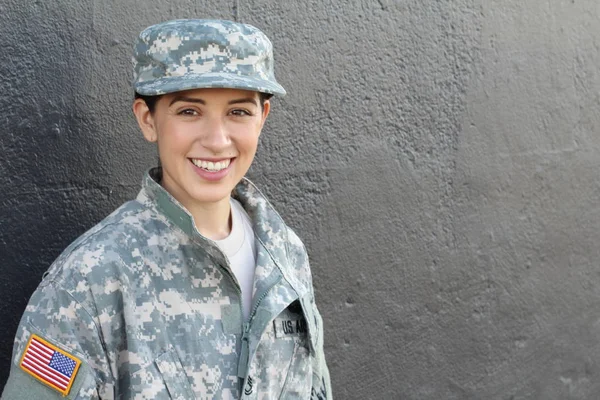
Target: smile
211,166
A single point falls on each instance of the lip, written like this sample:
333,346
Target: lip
212,176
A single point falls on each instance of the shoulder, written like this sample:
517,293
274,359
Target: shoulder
97,256
297,257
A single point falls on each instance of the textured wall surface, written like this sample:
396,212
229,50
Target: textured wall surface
440,159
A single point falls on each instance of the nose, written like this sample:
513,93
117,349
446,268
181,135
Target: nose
214,136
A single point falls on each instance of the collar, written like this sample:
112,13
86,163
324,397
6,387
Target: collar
268,225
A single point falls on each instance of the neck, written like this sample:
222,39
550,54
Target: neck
212,220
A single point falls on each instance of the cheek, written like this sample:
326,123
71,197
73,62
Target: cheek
248,137
248,143
172,137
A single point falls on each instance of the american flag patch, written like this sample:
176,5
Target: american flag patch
49,364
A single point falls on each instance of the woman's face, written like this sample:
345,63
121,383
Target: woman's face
206,140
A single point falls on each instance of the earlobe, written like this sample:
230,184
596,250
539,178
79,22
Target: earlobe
145,120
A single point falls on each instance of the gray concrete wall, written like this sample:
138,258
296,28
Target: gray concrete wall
439,158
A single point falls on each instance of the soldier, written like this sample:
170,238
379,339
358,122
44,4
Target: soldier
197,288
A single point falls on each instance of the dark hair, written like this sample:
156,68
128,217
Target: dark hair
152,100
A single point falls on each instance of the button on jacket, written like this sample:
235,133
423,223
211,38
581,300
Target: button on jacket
152,310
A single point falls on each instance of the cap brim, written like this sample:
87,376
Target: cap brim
172,84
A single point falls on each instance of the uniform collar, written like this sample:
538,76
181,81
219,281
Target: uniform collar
154,195
268,225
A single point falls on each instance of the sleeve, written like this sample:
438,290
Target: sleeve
57,351
321,382
321,386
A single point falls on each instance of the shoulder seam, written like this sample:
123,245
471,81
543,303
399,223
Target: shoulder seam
84,241
56,287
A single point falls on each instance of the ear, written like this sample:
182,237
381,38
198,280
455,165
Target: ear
145,120
265,112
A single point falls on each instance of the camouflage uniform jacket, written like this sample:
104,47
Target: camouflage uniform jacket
152,310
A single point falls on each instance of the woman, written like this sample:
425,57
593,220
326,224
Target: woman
197,288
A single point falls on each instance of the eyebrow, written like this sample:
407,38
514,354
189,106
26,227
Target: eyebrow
200,101
186,99
244,100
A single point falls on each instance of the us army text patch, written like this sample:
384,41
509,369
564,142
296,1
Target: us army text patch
289,327
49,364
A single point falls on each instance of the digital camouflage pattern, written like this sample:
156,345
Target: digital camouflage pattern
153,310
191,54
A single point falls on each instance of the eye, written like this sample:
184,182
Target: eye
240,112
188,112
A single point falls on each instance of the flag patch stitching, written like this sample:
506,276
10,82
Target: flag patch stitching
49,364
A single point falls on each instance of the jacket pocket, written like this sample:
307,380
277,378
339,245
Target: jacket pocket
298,381
174,376
281,365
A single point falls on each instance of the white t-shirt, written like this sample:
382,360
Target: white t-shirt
240,249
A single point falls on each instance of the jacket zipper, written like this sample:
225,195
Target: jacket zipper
245,352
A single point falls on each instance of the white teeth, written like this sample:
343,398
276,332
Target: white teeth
211,166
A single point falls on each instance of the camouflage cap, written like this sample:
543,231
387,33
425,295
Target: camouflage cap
191,54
